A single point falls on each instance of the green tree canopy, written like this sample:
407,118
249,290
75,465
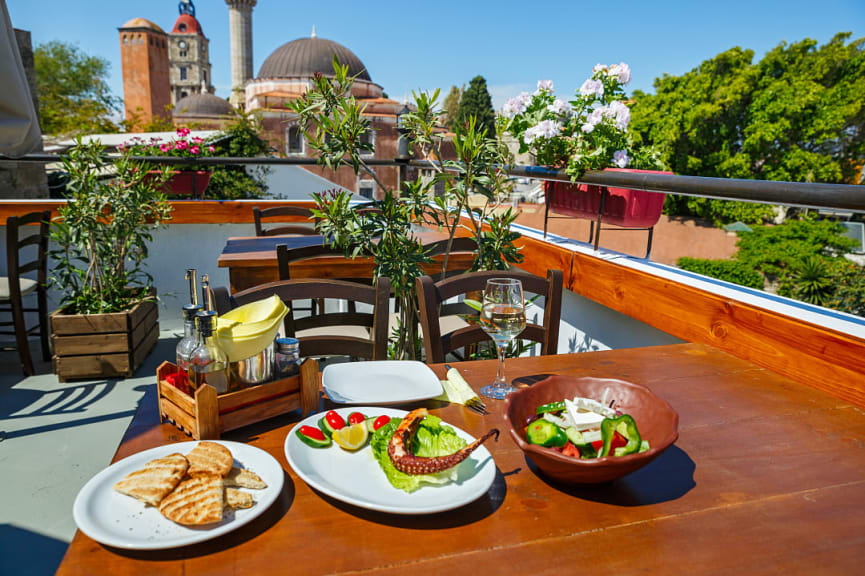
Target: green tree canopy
73,92
476,101
796,115
451,106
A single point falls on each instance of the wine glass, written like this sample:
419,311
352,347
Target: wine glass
503,317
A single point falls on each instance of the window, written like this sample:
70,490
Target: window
183,72
182,54
369,138
204,75
294,143
125,39
184,94
151,40
366,188
182,27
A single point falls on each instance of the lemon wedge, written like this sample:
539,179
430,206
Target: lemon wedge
352,437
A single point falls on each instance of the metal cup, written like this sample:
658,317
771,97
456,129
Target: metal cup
256,369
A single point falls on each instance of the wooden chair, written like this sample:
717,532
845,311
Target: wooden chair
14,287
355,334
432,294
270,213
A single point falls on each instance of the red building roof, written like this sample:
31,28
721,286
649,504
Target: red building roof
187,24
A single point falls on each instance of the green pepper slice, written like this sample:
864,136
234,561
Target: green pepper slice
625,426
551,407
547,434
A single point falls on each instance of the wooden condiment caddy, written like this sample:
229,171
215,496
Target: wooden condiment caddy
206,414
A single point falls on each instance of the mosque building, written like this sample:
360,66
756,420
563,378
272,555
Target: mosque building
161,70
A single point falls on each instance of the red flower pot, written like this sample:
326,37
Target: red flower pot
186,183
623,207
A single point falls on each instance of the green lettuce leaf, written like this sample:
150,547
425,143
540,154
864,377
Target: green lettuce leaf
432,439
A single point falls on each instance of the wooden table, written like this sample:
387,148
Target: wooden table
252,260
768,476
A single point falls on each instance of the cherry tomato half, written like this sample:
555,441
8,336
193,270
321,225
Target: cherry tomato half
356,418
312,432
380,421
334,420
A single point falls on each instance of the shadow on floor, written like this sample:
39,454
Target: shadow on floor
26,552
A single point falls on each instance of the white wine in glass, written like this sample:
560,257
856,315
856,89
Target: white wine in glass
503,318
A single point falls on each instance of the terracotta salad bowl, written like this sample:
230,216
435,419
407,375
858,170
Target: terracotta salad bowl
656,420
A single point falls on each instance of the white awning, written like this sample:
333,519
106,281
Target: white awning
19,127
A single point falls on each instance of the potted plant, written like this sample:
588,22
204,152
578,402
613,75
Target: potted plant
334,126
588,133
108,319
189,182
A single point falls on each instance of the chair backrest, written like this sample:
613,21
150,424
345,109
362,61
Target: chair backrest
14,244
280,211
286,255
373,348
431,295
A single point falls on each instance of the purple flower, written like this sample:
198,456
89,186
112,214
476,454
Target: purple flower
559,107
620,113
544,86
513,107
620,158
543,129
621,71
592,88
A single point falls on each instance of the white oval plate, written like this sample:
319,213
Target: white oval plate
381,382
121,521
356,478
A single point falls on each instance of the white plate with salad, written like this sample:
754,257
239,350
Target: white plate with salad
366,478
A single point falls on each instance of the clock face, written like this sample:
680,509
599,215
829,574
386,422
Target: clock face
182,45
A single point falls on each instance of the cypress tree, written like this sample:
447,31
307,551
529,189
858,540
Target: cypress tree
452,106
476,101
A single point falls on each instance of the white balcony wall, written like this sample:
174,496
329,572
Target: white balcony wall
586,325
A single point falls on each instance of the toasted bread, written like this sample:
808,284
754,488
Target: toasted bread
237,499
197,500
245,479
209,458
156,480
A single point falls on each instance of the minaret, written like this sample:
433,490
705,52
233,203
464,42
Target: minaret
240,28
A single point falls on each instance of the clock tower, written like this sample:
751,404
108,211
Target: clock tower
188,55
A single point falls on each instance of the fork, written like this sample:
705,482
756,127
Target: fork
475,404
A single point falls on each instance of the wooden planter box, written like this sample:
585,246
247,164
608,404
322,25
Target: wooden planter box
103,345
205,415
186,183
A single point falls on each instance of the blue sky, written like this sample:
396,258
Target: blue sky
423,45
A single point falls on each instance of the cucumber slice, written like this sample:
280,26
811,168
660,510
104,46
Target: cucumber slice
313,442
325,427
369,423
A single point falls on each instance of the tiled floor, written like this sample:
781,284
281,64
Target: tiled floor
57,436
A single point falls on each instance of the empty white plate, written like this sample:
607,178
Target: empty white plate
123,522
380,382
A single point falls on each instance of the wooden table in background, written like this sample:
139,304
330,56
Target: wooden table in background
768,476
255,262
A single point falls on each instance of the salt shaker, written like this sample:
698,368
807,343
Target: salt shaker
287,357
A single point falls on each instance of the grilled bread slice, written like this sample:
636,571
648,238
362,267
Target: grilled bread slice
209,458
197,500
237,499
244,479
156,480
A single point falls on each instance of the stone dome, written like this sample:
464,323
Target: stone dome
203,105
305,56
143,23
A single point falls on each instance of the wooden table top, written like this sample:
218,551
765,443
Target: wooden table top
768,476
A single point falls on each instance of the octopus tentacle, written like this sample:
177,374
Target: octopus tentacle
400,448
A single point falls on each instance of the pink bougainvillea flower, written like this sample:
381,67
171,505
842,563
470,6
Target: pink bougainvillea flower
183,132
211,149
165,147
181,145
198,140
195,150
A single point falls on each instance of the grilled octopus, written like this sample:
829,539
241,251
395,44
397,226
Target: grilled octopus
400,448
